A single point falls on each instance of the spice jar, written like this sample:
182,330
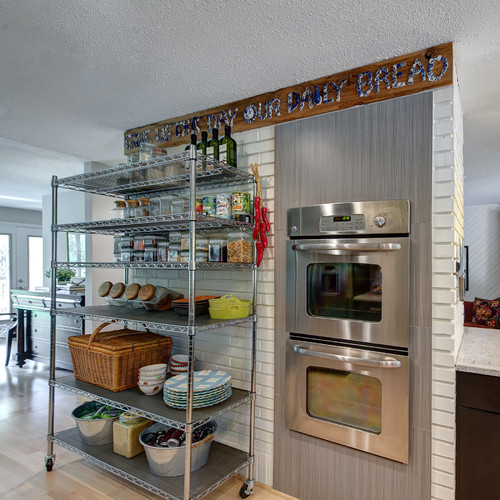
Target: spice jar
175,237
239,247
185,240
180,206
217,250
126,242
150,253
138,243
162,251
143,209
130,209
174,252
200,256
146,151
118,211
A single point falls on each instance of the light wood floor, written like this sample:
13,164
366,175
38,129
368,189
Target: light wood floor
23,446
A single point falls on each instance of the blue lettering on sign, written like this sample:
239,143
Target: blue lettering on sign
379,78
145,135
397,74
416,68
259,112
430,68
179,129
232,115
194,124
209,122
306,97
250,113
360,84
293,101
187,128
317,96
130,143
160,135
223,119
274,104
326,100
338,88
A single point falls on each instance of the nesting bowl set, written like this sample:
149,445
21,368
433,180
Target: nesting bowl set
152,378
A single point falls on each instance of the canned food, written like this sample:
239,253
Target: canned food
199,205
210,205
240,202
242,217
223,202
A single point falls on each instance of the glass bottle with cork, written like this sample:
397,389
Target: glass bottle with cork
227,148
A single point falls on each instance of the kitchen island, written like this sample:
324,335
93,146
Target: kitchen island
478,414
33,325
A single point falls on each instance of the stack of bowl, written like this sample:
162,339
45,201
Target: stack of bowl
179,363
151,378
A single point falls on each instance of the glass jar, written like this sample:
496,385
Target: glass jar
217,250
138,255
202,243
150,240
130,209
150,253
126,242
174,252
118,211
175,237
157,152
185,240
127,255
239,247
116,244
180,206
133,157
146,151
154,206
200,256
143,209
166,204
138,243
162,252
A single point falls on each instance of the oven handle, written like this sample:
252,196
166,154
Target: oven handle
378,363
365,247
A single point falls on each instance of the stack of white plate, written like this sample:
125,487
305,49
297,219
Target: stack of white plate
210,387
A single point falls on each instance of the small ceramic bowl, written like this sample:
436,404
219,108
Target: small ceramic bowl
179,359
141,381
151,390
157,376
152,369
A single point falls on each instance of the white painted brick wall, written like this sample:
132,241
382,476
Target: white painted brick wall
229,348
447,311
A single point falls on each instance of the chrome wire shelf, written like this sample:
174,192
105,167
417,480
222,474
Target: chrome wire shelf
161,321
206,266
224,463
158,174
152,407
152,224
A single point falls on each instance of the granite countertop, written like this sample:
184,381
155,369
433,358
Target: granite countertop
480,352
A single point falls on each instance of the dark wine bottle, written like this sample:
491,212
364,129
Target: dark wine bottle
193,141
213,145
202,145
227,148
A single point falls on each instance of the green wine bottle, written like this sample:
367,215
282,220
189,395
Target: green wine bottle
213,145
227,148
202,148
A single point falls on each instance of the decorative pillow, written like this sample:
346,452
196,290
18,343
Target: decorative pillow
486,312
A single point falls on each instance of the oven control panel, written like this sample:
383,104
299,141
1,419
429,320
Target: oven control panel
354,222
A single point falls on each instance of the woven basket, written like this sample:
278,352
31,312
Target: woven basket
111,359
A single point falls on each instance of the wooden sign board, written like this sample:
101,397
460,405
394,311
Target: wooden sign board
400,76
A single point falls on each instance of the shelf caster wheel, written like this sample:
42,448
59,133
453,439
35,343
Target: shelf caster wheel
49,463
244,492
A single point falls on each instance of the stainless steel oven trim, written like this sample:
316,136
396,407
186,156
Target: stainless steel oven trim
392,330
393,441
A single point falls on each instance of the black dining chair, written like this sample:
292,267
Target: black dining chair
11,333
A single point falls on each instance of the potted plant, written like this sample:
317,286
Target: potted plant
63,275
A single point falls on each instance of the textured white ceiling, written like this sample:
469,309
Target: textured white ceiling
77,73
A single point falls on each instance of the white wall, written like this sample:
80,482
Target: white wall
447,311
21,216
482,235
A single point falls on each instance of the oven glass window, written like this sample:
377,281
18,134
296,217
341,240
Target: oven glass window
345,291
345,398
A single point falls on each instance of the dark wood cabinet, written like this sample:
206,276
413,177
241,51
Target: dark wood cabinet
478,437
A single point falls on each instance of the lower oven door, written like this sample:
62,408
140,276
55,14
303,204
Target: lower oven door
354,397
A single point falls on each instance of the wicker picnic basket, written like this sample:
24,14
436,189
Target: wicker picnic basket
111,359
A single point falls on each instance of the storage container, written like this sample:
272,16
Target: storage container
239,247
229,307
111,359
154,206
180,206
129,212
217,250
96,431
160,298
200,256
143,209
118,211
126,432
175,237
170,461
174,252
185,240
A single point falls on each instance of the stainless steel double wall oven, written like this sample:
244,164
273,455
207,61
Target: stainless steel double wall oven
347,365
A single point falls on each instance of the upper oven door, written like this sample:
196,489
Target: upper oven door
355,289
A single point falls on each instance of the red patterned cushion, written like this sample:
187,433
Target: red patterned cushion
486,312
